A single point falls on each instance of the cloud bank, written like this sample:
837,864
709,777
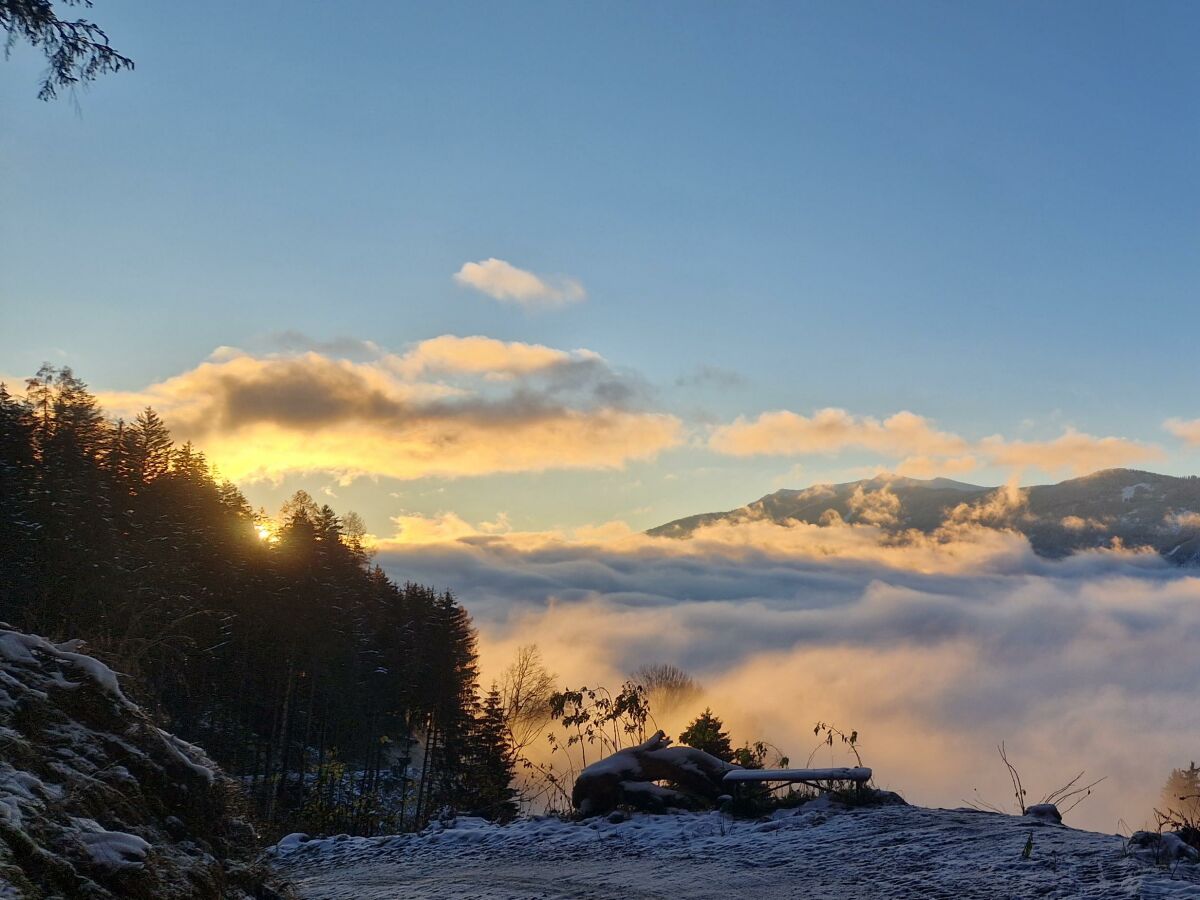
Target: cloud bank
503,281
450,406
454,406
934,648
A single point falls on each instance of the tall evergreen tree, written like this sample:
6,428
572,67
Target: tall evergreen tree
489,770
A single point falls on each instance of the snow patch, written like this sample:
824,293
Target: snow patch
1128,493
185,753
19,648
117,851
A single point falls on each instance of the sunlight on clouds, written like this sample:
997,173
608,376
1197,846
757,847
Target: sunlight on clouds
1187,430
485,356
1074,451
923,450
829,430
511,407
441,446
456,406
503,281
971,539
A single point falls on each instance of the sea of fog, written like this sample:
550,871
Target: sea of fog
935,650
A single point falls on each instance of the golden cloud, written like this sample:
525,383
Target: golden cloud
1074,451
783,432
925,450
264,417
1187,430
477,355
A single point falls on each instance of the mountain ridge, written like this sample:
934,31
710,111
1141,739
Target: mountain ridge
1133,506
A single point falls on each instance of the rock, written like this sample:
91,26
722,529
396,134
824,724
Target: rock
1046,812
877,797
1162,848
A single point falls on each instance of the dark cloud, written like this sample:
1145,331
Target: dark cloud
707,376
312,391
301,392
292,341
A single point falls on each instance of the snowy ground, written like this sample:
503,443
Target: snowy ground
888,852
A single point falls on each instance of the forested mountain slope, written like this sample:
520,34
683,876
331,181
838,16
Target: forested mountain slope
342,700
1137,508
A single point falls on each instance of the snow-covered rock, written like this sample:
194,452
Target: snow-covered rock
1047,812
95,801
1163,848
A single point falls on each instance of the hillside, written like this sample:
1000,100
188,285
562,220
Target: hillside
814,852
1138,508
96,802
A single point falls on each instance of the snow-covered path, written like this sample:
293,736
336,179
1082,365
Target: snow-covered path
881,852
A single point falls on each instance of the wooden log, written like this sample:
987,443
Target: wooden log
860,774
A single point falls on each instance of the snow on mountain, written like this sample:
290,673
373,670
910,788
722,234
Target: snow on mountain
1138,509
95,801
816,851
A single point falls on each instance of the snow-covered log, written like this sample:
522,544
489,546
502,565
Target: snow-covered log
860,774
628,775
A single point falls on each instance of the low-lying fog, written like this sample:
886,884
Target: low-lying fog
935,649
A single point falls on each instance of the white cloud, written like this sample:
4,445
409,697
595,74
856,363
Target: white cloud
503,281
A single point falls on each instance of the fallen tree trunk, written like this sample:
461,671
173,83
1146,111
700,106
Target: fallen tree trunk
628,777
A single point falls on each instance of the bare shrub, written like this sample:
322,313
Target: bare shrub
668,687
1064,798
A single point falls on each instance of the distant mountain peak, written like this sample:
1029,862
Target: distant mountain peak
1138,508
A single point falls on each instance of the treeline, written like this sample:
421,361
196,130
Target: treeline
343,701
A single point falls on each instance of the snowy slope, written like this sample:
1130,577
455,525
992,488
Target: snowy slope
95,801
887,852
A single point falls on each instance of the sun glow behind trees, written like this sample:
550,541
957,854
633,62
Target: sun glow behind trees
343,700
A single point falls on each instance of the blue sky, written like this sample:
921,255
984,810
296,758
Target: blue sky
987,214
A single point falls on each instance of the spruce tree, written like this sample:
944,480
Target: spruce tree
489,772
704,733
